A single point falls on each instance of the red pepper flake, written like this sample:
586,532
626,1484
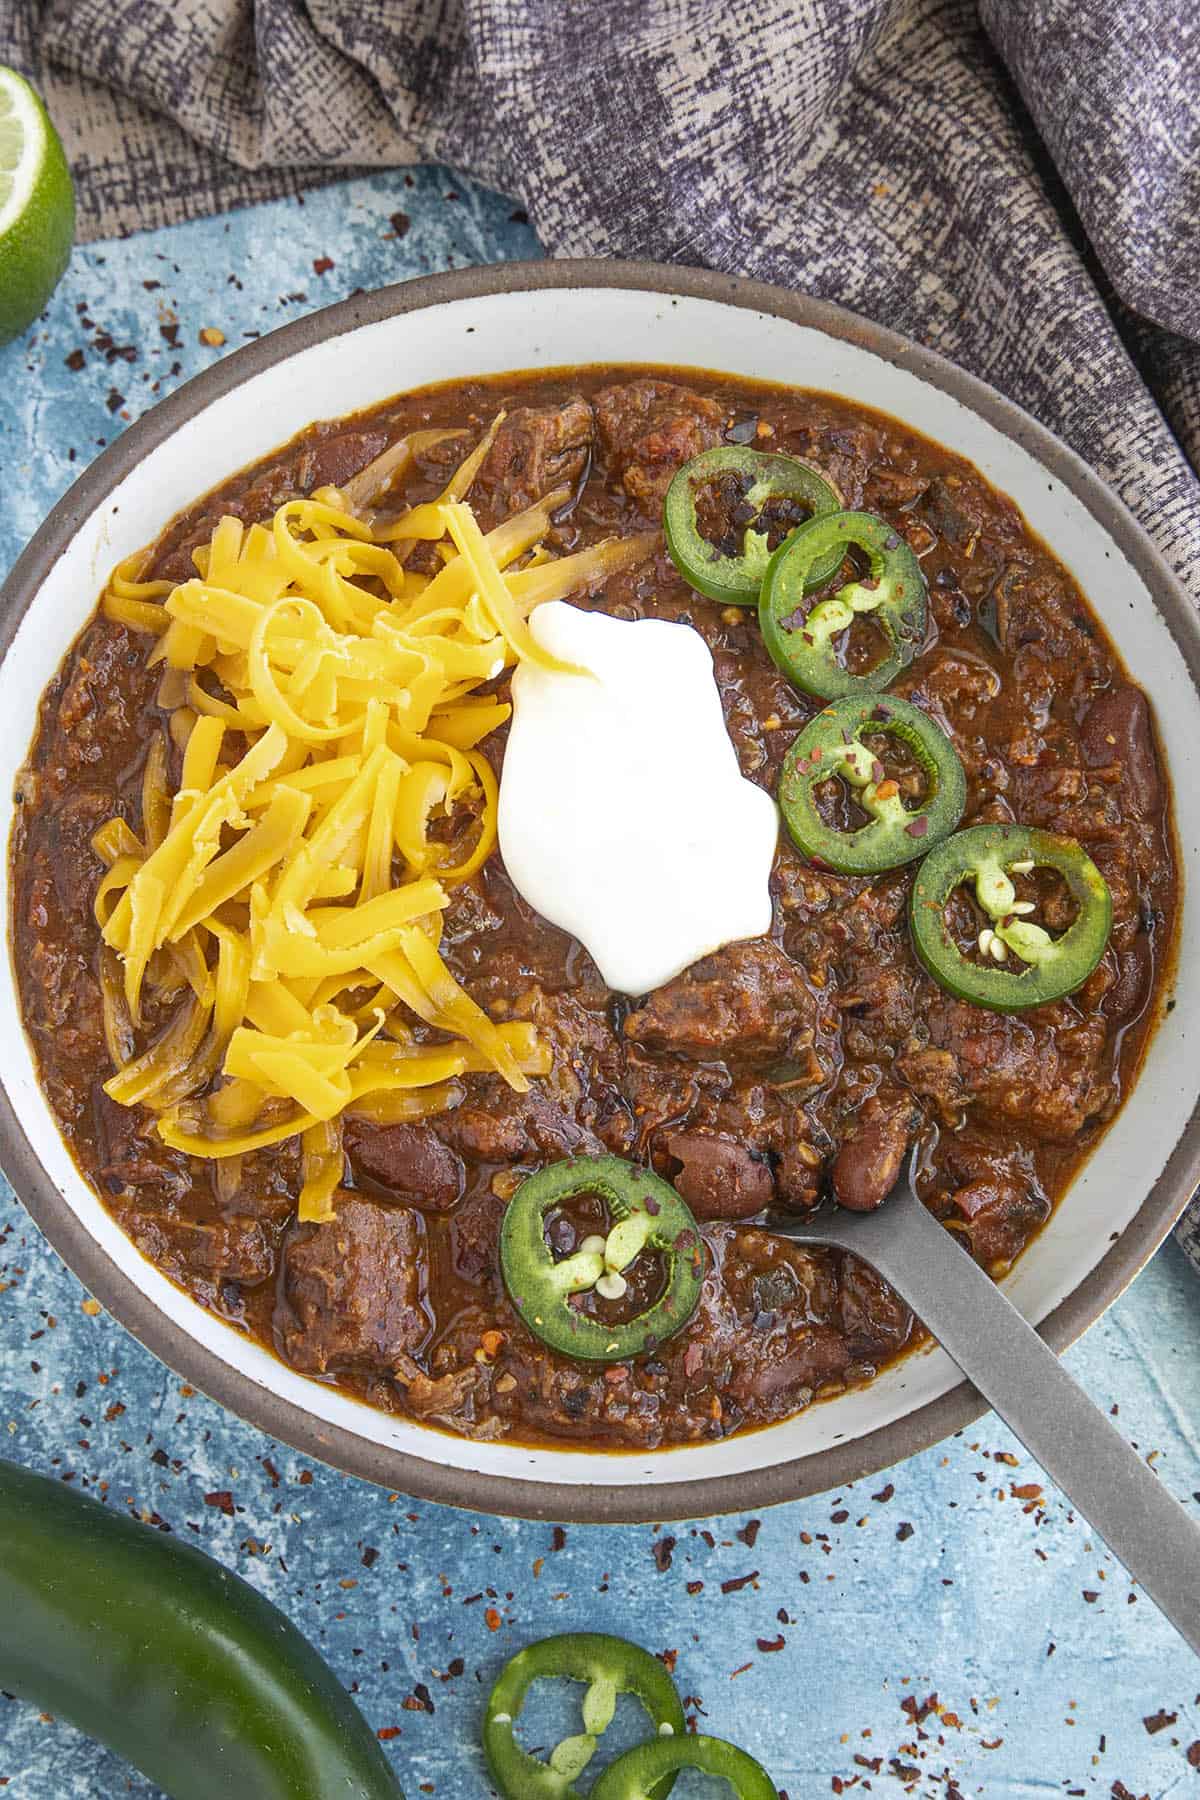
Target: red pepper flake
1090,1595
305,1478
386,1733
903,1532
75,360
370,1556
115,401
420,1700
662,1550
322,265
768,1644
839,1517
558,1538
1193,1754
737,1582
668,1659
884,1494
1026,1490
400,224
748,1535
492,1619
222,1499
695,1587
740,1670
1159,1721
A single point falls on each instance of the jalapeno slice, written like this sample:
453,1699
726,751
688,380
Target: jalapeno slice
1019,963
831,746
610,1666
646,1213
802,641
631,1776
758,494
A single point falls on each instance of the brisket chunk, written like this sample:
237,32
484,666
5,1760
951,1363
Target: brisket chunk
992,1197
537,449
234,1249
352,1290
410,1160
746,1002
331,461
1013,1070
648,429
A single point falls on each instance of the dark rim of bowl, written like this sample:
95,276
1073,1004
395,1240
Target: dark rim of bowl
425,1477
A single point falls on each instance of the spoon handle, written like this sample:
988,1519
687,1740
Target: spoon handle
1026,1384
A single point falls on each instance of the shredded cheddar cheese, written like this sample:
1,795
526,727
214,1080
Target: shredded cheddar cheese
279,914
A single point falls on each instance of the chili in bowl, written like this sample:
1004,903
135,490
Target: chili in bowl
830,820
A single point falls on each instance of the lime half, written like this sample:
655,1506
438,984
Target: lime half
37,206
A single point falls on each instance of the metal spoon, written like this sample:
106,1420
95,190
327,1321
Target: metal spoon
1023,1380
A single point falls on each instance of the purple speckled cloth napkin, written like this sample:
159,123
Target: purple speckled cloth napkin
1014,182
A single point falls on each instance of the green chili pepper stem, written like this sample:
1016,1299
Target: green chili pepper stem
631,1776
803,643
830,746
736,580
985,856
609,1666
648,1214
168,1658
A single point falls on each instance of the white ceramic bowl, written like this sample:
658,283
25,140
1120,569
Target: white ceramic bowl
540,316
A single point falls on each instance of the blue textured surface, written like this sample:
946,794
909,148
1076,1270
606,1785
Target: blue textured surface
933,1578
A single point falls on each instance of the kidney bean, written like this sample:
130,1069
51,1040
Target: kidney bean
719,1179
1125,999
1117,729
865,1169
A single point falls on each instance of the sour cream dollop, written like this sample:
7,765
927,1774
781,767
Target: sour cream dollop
624,817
